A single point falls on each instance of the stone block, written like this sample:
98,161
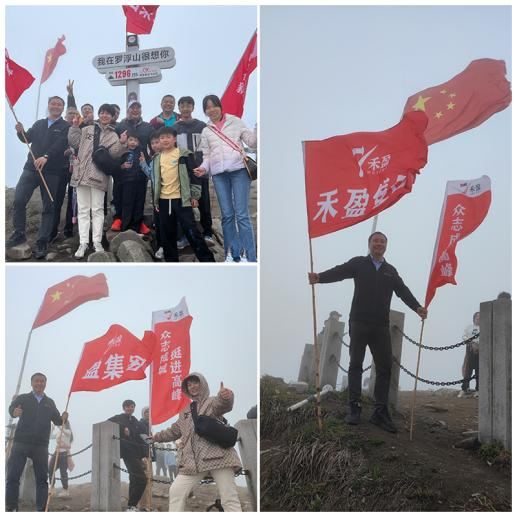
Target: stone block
248,450
102,256
21,252
128,235
131,251
298,387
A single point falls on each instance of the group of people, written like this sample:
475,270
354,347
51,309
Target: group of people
197,457
89,158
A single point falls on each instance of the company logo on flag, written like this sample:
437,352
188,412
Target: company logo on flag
171,361
140,18
464,102
350,178
464,208
17,79
51,58
116,357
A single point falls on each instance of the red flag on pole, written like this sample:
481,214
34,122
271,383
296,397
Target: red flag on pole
51,58
350,178
464,208
464,102
140,18
235,94
17,79
116,357
171,362
69,294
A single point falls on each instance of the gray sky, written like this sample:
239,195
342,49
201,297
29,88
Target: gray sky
335,70
206,57
223,334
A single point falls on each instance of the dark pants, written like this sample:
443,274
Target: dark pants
28,182
472,366
137,479
172,213
117,197
58,203
156,222
15,465
132,202
378,338
62,465
204,208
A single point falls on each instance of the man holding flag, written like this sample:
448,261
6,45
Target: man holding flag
375,281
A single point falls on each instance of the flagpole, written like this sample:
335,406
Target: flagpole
37,102
30,151
416,381
149,455
374,224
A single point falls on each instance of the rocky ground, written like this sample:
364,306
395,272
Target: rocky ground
120,247
363,468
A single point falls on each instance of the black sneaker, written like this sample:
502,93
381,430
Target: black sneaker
354,417
383,420
15,239
41,250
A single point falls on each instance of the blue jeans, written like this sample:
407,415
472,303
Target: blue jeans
233,192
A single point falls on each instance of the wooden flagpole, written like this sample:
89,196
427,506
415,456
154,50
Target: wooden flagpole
416,381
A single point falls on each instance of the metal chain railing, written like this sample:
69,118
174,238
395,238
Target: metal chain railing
156,447
76,477
426,381
427,347
346,371
76,453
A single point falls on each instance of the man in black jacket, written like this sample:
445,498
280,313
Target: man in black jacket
375,281
35,411
132,452
49,139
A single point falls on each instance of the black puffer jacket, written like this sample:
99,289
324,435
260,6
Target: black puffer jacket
130,446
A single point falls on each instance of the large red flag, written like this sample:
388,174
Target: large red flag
465,101
51,58
235,93
17,79
350,178
171,362
464,208
140,18
116,357
69,294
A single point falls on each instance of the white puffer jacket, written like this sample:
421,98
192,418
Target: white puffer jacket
218,156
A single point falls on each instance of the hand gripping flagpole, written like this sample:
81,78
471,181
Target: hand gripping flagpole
31,153
416,381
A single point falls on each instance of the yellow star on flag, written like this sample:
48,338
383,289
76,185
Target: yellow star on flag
452,95
443,91
438,115
49,58
56,296
450,106
420,103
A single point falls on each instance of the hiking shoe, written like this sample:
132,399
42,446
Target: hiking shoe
383,420
98,246
229,257
159,253
41,250
182,243
81,250
144,229
209,240
243,257
64,493
117,225
462,394
15,239
354,417
132,509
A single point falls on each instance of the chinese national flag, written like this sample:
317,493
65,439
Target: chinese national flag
464,208
17,79
465,101
171,362
69,294
116,357
51,58
235,93
350,178
140,18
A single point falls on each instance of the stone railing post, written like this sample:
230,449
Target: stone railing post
331,349
28,484
248,449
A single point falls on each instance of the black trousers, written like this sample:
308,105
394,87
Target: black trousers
172,213
15,465
156,222
204,208
28,182
117,197
58,203
132,201
62,465
137,480
378,338
472,366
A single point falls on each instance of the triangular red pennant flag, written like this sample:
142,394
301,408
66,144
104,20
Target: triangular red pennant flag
17,79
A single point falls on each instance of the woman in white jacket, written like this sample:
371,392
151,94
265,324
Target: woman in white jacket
221,144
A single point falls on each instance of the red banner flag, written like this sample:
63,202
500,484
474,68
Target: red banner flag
140,18
350,178
235,93
171,362
116,357
17,79
465,101
69,294
464,208
51,58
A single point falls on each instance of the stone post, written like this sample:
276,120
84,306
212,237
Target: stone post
495,372
28,484
248,449
307,365
105,494
396,319
333,331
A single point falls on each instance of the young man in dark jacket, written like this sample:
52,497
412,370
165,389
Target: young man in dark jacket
35,412
132,452
375,281
49,139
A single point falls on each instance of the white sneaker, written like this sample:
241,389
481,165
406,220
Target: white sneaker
132,509
81,250
64,493
98,246
229,257
462,394
159,253
182,243
243,257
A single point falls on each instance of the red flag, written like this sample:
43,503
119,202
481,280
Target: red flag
116,357
69,294
17,79
171,362
140,18
465,101
464,208
350,178
51,58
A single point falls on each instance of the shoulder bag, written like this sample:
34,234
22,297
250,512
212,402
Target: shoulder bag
101,156
212,429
